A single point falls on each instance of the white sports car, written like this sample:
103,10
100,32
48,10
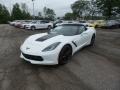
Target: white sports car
58,45
40,24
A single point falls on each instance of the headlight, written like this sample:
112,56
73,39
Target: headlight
51,47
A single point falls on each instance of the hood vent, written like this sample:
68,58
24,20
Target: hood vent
46,37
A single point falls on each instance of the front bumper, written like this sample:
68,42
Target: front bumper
47,59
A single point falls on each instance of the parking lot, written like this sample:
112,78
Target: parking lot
92,68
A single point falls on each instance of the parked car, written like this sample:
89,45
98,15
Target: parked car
91,23
23,24
57,46
111,24
99,23
42,24
56,23
118,20
87,24
14,22
64,21
18,23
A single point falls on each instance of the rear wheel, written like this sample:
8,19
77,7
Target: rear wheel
96,26
92,40
32,28
49,27
65,54
24,26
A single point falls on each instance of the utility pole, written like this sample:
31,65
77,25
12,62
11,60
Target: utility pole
33,9
45,8
11,7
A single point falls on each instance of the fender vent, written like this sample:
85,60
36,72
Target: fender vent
74,43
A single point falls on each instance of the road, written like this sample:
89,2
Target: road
91,68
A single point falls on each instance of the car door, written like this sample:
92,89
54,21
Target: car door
38,25
82,37
44,24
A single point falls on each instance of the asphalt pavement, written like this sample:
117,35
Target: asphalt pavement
91,68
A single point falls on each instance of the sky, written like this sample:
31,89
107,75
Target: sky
60,6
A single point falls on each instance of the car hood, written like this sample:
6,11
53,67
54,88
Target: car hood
41,41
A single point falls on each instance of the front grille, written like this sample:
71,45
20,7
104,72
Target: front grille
31,57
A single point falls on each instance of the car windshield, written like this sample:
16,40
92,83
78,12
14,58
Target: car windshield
82,21
66,30
33,22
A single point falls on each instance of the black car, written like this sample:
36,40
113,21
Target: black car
112,24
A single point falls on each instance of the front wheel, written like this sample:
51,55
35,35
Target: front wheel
24,26
92,40
49,27
65,55
96,26
32,28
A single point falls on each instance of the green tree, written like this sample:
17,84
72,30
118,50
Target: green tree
39,14
45,10
24,7
108,8
69,16
16,12
92,10
4,14
49,13
25,14
80,8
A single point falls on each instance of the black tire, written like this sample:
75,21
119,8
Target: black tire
116,26
24,27
92,40
119,25
33,28
65,55
96,26
49,27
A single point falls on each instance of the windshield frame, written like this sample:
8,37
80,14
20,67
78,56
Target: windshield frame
74,25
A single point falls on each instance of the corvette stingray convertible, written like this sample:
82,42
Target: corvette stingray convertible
58,45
